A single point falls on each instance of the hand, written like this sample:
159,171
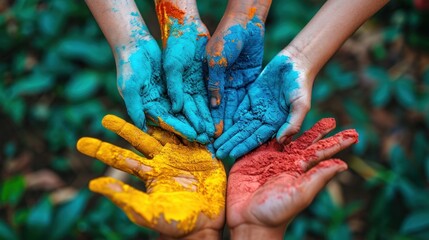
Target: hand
184,38
270,186
185,185
281,95
141,86
234,56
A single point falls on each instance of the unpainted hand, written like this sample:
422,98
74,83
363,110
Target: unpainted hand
185,185
268,187
278,99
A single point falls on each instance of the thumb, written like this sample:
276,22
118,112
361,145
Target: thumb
174,66
297,112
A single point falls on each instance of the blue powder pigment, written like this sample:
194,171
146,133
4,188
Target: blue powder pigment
183,59
142,86
238,65
263,110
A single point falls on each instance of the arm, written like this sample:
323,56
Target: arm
120,22
315,45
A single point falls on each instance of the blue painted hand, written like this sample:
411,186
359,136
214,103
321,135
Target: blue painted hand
141,86
278,99
234,56
184,38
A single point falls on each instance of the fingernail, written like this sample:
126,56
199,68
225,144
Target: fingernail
213,102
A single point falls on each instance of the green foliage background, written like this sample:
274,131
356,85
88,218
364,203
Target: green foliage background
58,80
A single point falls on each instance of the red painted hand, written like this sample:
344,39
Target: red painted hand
269,186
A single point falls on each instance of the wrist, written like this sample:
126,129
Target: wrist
301,61
208,234
253,231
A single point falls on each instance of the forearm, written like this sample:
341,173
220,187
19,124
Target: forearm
120,22
245,10
329,28
252,231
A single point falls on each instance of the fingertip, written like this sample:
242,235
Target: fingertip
88,146
112,122
203,138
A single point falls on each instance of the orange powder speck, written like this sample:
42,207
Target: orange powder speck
165,11
222,62
211,63
219,128
252,12
259,25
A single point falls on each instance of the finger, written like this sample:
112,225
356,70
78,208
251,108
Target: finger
243,108
203,138
296,116
141,141
263,134
114,156
326,148
170,123
218,115
313,181
202,106
314,134
190,111
125,197
237,138
163,136
174,66
231,105
134,107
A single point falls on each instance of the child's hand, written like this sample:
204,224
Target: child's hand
185,185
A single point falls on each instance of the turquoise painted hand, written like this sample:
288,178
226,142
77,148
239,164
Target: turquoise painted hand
265,109
143,90
183,60
234,56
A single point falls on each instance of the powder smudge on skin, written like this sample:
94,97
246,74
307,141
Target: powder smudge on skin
165,11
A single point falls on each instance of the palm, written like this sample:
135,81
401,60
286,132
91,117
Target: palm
185,185
264,109
234,57
269,186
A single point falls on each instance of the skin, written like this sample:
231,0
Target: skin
184,38
262,199
234,57
185,185
289,100
138,64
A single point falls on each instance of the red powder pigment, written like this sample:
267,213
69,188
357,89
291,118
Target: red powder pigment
268,160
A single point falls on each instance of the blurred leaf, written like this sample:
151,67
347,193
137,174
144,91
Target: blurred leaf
34,84
378,74
39,219
87,50
6,232
322,90
416,221
381,94
12,190
68,214
405,92
82,85
50,22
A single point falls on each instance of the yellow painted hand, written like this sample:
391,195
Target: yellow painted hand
185,185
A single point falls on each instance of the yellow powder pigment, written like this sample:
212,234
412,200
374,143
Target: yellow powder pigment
182,181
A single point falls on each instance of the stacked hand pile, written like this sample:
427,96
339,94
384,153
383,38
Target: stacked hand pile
202,99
